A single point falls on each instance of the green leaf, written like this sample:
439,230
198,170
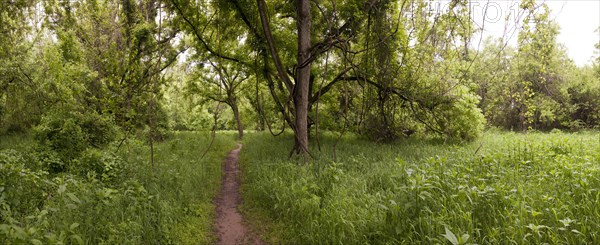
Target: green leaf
61,189
451,237
77,239
32,230
36,242
73,226
4,228
73,198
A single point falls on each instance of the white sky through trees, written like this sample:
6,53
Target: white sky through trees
578,21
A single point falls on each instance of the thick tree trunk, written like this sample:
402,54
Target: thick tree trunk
303,76
299,90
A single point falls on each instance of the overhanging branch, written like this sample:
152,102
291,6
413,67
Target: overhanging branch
199,37
272,49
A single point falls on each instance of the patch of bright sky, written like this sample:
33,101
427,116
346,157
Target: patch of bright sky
578,21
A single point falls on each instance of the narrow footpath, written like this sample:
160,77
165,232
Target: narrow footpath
230,225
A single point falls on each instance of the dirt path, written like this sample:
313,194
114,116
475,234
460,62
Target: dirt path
230,225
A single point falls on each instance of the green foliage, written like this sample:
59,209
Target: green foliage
22,190
62,135
583,91
49,160
94,207
105,166
462,119
536,87
564,102
104,199
99,130
69,133
159,128
503,188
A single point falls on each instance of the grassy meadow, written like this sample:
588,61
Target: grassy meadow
505,188
107,198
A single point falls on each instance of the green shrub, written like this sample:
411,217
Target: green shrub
101,164
21,189
123,214
99,130
49,160
70,133
461,119
62,135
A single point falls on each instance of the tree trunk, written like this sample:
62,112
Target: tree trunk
299,90
303,76
238,120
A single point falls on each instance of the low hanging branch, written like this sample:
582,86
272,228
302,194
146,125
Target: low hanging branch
272,48
280,106
262,114
342,77
314,98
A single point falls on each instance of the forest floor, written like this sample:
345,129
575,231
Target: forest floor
231,228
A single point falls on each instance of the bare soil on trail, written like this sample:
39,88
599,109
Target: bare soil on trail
230,223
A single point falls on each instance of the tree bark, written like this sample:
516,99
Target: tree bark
301,87
238,120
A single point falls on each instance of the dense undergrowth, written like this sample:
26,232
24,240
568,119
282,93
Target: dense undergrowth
98,197
504,188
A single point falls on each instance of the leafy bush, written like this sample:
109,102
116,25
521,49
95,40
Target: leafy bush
98,130
101,164
461,118
122,214
48,160
62,135
586,102
21,189
70,133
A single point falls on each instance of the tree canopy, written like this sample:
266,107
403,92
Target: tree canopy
381,68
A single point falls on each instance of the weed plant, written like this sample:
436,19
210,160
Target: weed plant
504,188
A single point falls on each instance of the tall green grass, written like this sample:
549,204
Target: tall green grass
125,201
186,183
504,188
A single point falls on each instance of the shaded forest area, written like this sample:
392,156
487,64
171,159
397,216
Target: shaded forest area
107,106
